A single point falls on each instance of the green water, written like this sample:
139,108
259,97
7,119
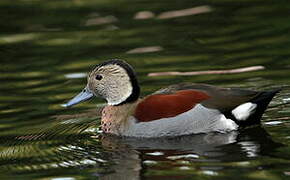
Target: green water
47,46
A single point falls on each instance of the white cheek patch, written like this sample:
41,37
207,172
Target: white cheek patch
243,111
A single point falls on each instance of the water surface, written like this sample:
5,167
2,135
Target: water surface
47,47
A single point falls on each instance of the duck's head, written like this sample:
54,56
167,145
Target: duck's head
113,80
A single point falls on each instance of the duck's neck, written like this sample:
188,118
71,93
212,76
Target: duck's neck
115,118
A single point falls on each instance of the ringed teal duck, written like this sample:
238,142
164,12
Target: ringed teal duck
176,110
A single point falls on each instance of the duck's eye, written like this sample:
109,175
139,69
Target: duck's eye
99,77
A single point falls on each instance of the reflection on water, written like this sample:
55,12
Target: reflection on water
184,12
76,150
46,49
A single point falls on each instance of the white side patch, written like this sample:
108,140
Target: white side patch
243,111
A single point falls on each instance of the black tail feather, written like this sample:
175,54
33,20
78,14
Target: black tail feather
262,101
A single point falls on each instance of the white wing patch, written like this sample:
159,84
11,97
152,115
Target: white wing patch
243,111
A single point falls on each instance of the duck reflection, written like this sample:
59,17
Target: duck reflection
110,157
133,155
